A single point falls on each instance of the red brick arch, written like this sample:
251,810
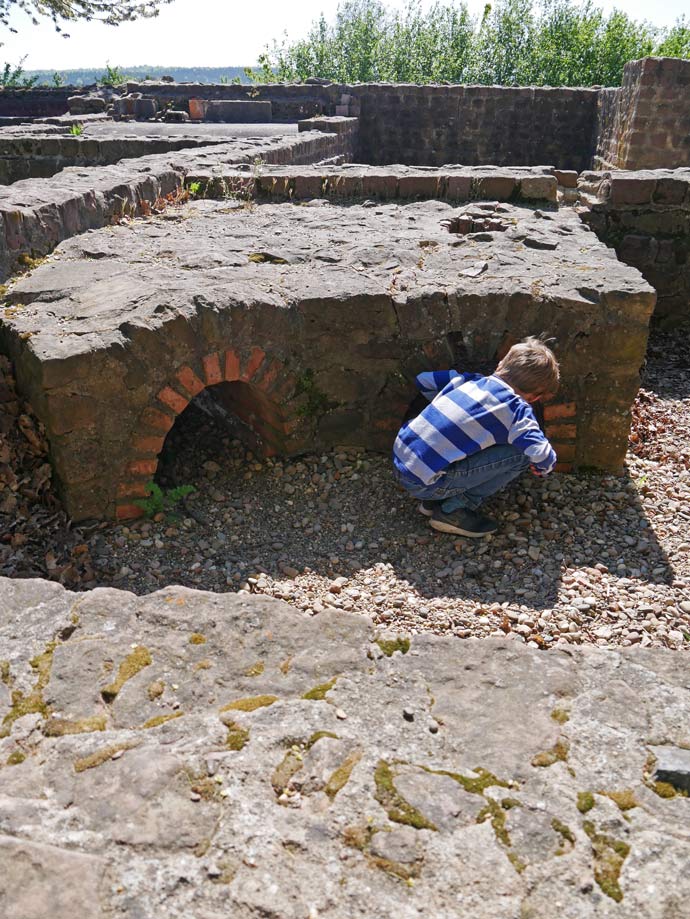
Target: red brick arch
261,404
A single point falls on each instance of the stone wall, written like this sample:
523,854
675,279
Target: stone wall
40,156
473,125
646,123
40,102
37,214
645,217
429,125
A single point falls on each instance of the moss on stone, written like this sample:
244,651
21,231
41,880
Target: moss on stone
566,834
662,789
284,771
250,704
318,693
585,801
5,675
155,690
398,809
560,715
204,786
238,737
625,800
609,855
341,776
196,638
59,727
494,812
102,756
390,645
32,703
130,666
256,669
509,803
475,785
160,719
557,754
203,665
516,861
16,758
285,666
359,836
315,738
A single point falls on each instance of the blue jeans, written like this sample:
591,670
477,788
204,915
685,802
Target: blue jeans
468,482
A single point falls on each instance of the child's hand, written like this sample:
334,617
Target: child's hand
533,469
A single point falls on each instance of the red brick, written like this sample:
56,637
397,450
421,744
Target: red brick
160,421
271,375
132,490
190,381
386,424
128,512
173,399
561,431
149,445
232,366
560,410
565,452
286,388
143,467
563,467
212,369
255,361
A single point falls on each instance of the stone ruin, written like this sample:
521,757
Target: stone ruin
309,278
281,252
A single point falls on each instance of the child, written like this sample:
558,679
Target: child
477,434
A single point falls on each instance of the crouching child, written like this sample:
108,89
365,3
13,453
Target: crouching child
476,435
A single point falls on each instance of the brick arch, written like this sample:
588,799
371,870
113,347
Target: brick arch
261,399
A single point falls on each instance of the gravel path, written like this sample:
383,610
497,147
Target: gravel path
595,559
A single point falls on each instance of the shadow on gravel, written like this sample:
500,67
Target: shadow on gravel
343,515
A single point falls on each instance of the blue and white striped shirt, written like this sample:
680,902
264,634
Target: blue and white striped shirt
467,413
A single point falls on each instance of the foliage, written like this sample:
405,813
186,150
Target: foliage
160,501
76,130
112,12
13,76
58,79
514,43
113,76
87,76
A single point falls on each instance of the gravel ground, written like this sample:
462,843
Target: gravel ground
597,559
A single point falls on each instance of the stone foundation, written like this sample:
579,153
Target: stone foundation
288,765
645,217
310,323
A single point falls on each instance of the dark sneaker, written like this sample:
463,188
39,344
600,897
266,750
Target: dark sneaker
428,507
464,522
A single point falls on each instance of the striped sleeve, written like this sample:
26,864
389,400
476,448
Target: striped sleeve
527,436
433,381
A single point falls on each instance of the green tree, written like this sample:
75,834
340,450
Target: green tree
514,43
12,76
112,12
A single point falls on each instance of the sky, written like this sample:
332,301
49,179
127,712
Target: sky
211,33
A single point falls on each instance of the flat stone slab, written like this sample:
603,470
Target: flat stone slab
189,753
121,327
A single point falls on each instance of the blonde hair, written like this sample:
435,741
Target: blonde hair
531,367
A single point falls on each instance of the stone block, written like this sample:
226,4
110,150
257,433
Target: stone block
457,187
671,190
234,111
494,188
566,177
418,186
539,188
629,191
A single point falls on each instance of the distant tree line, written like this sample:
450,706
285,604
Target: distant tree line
514,43
105,76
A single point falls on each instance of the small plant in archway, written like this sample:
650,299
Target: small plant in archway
162,501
